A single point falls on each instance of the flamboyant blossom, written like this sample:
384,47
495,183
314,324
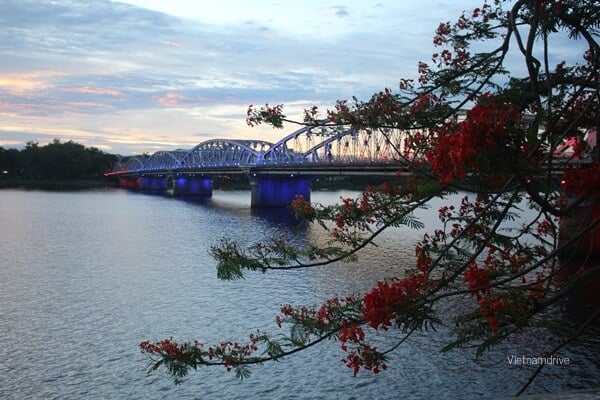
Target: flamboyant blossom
479,144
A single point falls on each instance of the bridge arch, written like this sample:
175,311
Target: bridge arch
365,145
336,144
134,164
293,147
162,160
118,167
225,153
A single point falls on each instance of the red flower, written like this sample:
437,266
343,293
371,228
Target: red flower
459,146
478,280
382,305
166,348
302,207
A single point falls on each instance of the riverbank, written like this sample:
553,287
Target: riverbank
58,185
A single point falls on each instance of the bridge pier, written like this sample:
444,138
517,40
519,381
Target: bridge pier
277,190
129,183
153,184
192,186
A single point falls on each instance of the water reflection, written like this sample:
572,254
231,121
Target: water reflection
280,216
86,276
201,200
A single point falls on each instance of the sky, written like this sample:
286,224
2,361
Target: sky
137,76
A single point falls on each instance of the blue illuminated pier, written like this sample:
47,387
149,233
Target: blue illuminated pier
192,186
278,190
153,184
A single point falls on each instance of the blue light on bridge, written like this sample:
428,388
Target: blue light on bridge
278,191
192,186
153,184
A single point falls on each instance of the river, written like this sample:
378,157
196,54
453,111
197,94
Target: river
85,276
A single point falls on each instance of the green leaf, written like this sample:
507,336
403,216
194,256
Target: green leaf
274,348
242,372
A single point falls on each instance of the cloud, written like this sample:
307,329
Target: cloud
126,75
170,100
19,84
242,62
171,43
22,82
341,11
95,90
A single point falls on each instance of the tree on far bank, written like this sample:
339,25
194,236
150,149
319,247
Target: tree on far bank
55,161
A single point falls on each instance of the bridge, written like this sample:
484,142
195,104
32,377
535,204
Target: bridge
280,171
277,171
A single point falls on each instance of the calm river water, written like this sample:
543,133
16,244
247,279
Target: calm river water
85,276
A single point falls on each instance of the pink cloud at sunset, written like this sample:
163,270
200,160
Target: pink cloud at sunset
171,100
95,90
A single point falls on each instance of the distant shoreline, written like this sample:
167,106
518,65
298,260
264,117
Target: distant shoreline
56,185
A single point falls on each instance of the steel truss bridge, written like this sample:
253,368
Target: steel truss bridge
277,171
309,150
